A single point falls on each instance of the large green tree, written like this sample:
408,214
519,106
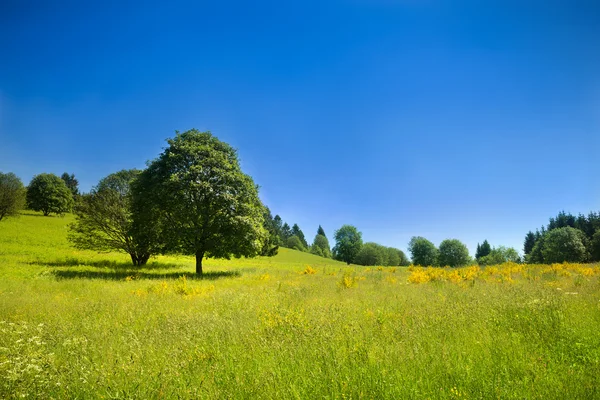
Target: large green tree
564,244
348,241
422,251
104,220
12,195
271,244
529,242
206,205
49,194
453,253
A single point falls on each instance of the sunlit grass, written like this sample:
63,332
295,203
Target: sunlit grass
77,324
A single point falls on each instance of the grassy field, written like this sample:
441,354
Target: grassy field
76,324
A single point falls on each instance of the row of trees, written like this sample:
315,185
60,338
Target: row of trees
565,238
349,248
46,193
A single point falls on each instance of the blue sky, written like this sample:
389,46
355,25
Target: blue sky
433,118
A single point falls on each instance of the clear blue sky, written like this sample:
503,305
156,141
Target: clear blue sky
445,119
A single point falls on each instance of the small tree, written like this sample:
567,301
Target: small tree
453,253
12,195
348,241
529,242
422,251
49,194
286,232
321,246
105,222
321,231
207,206
500,255
294,242
595,247
72,183
483,250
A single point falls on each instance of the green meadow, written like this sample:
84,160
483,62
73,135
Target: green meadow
78,325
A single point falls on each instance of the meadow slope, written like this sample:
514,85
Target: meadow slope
77,324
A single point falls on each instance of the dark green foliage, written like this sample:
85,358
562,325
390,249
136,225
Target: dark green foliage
321,246
483,250
321,232
286,232
404,261
453,253
296,231
205,204
371,254
564,244
422,251
588,225
271,244
105,221
72,183
278,226
49,194
529,242
12,195
595,247
294,242
500,255
348,241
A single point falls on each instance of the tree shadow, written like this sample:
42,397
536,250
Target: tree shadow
105,264
119,275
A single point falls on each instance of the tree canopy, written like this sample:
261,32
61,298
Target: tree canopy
12,195
104,220
348,241
49,194
206,205
422,251
453,253
320,246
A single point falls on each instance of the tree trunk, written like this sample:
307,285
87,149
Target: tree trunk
199,257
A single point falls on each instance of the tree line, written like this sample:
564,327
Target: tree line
566,238
194,199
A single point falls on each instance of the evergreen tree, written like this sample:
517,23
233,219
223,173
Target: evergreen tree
296,231
320,231
529,242
286,232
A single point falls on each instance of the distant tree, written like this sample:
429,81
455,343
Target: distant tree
529,242
271,243
453,253
294,242
49,194
320,246
207,206
320,231
348,241
72,183
371,254
404,261
564,244
104,220
393,257
286,232
12,195
483,250
422,251
595,247
500,255
296,231
278,225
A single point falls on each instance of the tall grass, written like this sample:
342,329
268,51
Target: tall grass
76,324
